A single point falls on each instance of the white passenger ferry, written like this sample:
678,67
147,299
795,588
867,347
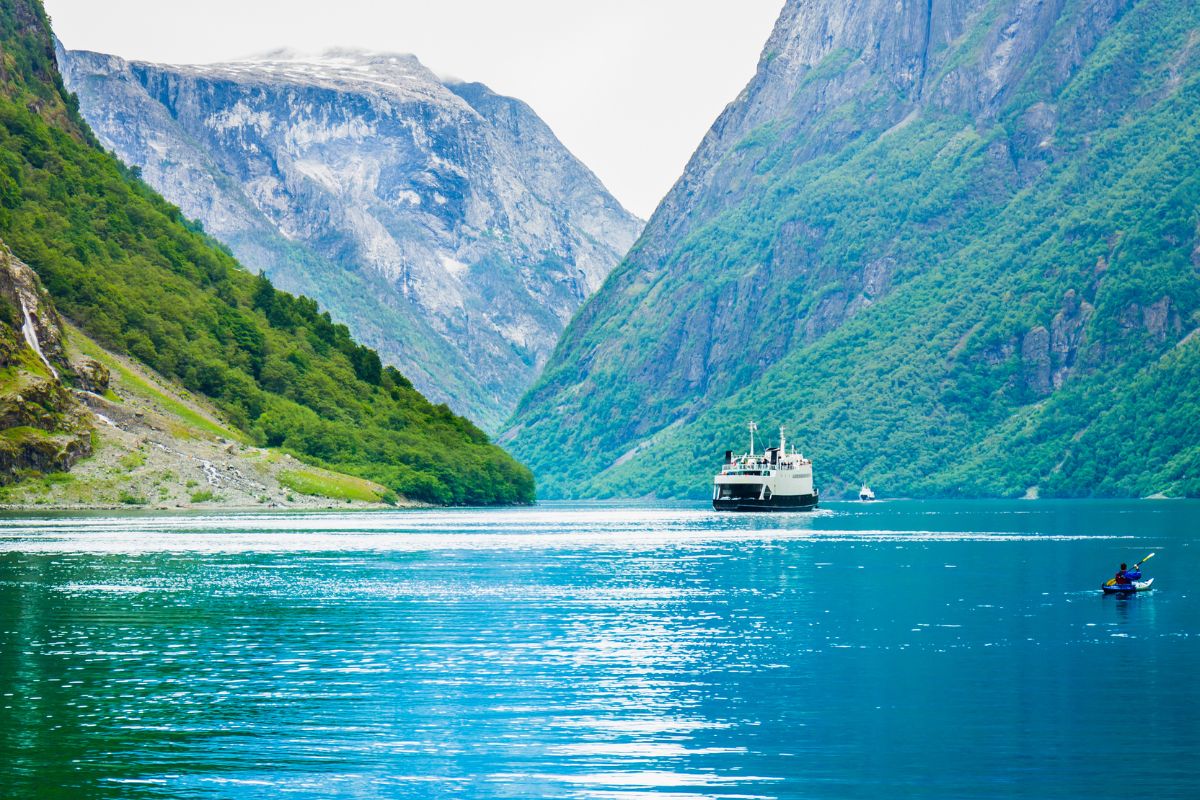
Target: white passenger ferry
776,480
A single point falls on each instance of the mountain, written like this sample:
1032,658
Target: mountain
445,224
138,279
952,245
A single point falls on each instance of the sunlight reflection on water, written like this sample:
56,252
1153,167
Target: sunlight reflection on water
595,652
413,531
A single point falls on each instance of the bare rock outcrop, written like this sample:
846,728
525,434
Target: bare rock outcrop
42,426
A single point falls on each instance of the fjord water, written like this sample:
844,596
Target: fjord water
914,649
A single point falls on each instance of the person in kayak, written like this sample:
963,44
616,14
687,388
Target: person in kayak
1128,580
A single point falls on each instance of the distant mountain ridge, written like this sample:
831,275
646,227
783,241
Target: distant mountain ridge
952,245
445,224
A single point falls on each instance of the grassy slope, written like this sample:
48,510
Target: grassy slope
130,271
924,391
152,449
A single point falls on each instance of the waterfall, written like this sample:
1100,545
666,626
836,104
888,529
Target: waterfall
30,333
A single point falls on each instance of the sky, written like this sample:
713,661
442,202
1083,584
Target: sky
630,86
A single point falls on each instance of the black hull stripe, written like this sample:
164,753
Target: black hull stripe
802,502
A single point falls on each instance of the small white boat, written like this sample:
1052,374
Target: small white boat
865,493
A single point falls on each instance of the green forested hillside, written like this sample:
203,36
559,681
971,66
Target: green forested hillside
977,277
125,266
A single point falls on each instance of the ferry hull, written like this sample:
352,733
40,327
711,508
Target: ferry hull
799,502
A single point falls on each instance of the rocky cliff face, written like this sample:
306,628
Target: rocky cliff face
935,238
42,426
445,224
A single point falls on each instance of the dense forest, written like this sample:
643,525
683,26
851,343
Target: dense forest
135,275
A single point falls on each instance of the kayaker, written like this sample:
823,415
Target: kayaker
1127,580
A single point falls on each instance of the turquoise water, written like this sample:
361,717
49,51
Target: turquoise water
910,649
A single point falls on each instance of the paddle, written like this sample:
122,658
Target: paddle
1113,581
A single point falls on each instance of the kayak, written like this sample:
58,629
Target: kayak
1128,588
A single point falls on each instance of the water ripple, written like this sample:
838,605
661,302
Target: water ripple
593,653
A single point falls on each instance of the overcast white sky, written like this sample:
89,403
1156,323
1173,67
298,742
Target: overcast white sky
630,86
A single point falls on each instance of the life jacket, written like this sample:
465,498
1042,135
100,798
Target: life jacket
1123,578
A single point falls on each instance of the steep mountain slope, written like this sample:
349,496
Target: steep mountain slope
125,266
952,245
445,224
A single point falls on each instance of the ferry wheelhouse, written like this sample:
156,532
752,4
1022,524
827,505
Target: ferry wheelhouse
774,480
